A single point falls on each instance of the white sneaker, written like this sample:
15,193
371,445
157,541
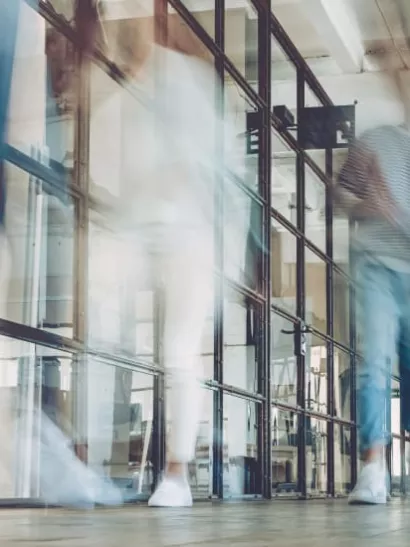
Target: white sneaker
371,486
172,493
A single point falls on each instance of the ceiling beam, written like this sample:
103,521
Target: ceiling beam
336,24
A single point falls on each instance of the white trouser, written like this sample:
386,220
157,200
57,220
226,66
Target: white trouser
181,262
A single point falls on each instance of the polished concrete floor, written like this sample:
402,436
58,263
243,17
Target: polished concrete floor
283,523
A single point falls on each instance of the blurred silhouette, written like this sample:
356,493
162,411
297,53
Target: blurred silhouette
164,215
374,188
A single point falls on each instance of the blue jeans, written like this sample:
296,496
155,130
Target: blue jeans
384,305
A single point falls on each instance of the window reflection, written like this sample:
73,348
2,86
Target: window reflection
37,274
284,451
316,374
341,308
396,465
43,96
283,267
317,155
119,424
341,232
241,39
283,361
315,275
315,210
343,455
342,379
242,236
241,329
316,455
284,85
284,195
243,124
240,459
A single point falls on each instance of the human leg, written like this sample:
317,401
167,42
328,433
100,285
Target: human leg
378,299
187,282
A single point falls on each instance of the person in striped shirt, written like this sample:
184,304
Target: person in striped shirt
374,188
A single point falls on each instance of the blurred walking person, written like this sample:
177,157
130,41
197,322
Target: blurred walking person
374,188
164,215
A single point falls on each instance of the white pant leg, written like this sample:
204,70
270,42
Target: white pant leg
188,287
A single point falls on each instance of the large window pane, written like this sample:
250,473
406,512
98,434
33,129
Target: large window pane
284,86
315,212
119,424
241,460
341,308
341,235
283,361
341,240
241,39
242,135
396,465
284,451
316,456
241,331
55,407
316,374
243,241
284,198
318,155
37,255
343,455
200,470
283,267
315,273
342,378
43,97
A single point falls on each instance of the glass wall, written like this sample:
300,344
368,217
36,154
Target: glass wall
80,336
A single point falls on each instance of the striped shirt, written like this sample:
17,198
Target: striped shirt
374,187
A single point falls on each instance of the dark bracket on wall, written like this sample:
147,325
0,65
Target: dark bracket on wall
321,127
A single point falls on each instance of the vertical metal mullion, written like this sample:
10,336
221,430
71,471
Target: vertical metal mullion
353,359
402,461
265,433
330,330
301,290
218,440
81,240
159,399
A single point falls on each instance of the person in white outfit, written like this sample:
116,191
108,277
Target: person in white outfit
164,216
